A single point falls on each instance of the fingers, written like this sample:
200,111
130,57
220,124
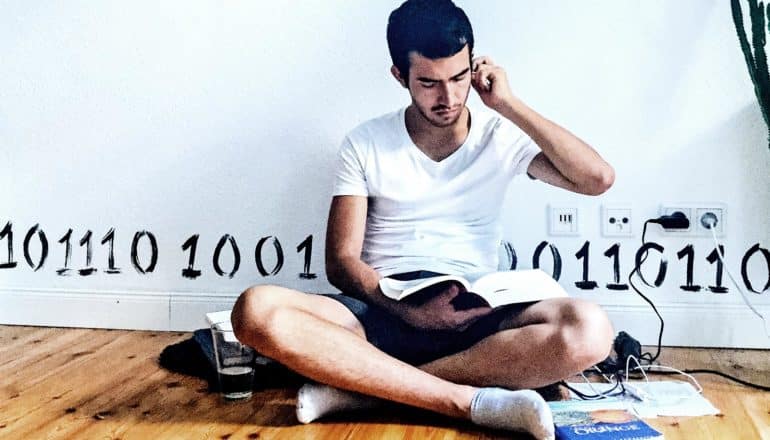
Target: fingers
466,317
482,76
451,292
458,318
483,79
475,312
478,61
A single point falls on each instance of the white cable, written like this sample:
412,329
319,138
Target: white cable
597,394
665,368
737,286
653,368
656,368
638,367
641,368
602,373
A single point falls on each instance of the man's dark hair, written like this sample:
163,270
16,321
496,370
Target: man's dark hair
432,28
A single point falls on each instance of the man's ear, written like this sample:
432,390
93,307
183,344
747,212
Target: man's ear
397,74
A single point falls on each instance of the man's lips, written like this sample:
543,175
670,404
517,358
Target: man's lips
446,111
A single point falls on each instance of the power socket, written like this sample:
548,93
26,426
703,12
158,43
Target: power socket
617,221
714,213
695,212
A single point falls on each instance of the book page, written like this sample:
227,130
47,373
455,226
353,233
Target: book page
221,320
512,287
397,289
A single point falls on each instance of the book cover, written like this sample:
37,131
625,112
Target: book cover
615,424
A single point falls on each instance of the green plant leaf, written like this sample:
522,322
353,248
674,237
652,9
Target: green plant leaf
757,62
744,41
758,39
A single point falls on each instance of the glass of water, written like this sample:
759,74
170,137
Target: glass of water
235,363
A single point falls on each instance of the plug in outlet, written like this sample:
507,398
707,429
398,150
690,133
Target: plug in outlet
617,221
687,210
562,220
695,213
708,215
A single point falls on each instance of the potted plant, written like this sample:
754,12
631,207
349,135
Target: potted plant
756,59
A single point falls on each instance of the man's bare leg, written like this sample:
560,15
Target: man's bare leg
559,337
543,344
321,339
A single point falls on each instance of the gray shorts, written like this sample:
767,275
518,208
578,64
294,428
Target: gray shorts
418,346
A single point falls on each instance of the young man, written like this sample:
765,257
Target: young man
420,189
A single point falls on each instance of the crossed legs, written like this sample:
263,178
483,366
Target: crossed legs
547,342
320,338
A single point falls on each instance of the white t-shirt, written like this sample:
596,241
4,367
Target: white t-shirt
427,215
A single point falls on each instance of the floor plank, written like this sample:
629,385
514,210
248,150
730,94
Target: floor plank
82,383
744,410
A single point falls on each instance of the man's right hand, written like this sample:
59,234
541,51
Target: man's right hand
438,312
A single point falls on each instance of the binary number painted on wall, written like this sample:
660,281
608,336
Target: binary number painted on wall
614,253
269,259
583,254
689,253
35,230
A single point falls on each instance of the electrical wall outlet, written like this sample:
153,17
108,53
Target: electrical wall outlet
695,212
712,212
562,220
617,221
687,209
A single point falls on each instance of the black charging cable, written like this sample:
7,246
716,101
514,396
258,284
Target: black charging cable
622,345
612,392
625,344
677,220
647,356
714,372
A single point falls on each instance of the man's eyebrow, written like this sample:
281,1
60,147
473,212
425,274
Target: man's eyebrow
462,73
431,80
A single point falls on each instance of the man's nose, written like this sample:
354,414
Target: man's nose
444,94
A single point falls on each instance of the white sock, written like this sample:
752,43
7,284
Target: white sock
317,400
522,410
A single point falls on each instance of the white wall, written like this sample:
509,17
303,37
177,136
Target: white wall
215,118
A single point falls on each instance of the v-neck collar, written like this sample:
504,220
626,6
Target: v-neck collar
424,157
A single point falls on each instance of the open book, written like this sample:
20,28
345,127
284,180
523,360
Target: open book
493,289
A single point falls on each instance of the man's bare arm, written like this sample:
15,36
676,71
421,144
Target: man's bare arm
344,240
347,272
566,161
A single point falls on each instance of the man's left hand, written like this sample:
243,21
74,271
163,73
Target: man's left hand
490,82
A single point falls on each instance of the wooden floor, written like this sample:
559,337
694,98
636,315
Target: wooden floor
103,384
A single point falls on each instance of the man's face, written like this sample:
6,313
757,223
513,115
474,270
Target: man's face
440,87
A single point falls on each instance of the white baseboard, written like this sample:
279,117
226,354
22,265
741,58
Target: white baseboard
187,311
693,325
686,324
82,308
